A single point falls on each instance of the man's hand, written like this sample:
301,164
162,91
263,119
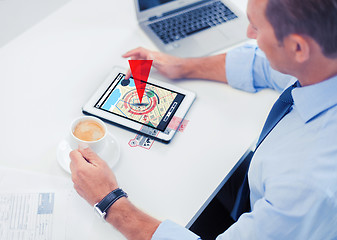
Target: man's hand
93,180
92,177
169,66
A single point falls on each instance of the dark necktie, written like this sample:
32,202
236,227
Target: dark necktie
281,108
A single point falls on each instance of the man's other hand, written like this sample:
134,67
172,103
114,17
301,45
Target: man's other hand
169,66
92,177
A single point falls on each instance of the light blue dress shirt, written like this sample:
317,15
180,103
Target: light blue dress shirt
293,174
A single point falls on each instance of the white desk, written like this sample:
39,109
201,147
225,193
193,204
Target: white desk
49,72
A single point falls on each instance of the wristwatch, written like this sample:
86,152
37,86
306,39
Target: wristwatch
102,207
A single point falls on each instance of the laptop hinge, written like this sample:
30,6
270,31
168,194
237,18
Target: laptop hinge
178,10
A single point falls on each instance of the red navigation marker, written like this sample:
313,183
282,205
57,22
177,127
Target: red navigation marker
140,70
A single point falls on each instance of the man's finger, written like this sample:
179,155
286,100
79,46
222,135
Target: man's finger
128,74
132,52
76,160
90,155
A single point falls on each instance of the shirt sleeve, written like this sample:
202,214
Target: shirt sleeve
248,69
169,230
290,210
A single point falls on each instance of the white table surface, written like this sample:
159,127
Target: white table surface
48,73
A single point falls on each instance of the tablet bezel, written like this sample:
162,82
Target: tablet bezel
166,136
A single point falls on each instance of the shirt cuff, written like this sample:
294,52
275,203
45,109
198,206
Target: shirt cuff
239,67
169,230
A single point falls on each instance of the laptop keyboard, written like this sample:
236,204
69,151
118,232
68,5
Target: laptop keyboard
188,23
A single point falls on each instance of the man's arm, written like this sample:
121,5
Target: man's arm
130,221
245,68
211,68
93,180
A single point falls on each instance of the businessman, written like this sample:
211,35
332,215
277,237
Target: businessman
292,176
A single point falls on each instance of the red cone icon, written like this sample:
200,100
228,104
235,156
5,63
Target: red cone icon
140,70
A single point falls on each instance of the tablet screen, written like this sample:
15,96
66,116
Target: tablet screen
156,109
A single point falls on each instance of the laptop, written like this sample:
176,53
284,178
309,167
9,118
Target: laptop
191,28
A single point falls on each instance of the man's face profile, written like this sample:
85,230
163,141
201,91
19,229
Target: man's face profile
260,29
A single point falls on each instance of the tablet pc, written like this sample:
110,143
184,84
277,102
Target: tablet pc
163,104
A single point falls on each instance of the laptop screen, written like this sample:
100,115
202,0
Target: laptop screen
147,4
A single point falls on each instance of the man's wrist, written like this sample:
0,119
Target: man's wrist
118,212
128,219
118,207
103,206
211,68
189,67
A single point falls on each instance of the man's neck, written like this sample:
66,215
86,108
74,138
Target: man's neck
316,71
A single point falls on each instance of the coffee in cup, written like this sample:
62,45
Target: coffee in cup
89,131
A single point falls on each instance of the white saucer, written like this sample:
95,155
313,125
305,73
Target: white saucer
110,154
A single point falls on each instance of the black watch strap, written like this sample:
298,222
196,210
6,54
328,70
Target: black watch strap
102,207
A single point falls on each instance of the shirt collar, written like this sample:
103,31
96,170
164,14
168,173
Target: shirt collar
314,99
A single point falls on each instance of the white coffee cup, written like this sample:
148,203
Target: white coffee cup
88,131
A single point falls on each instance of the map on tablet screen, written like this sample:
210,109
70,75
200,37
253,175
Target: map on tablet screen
156,109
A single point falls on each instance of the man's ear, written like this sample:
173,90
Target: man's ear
300,47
